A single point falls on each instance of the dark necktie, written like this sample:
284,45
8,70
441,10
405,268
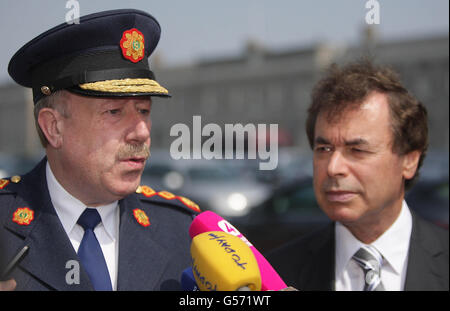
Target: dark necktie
370,260
90,252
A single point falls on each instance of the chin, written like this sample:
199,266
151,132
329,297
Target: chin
124,188
341,213
121,184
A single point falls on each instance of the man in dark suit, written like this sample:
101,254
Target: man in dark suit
80,220
369,139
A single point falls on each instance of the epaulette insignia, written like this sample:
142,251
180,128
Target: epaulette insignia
141,217
167,195
23,216
149,192
3,183
189,204
146,190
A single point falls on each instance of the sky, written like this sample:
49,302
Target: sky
196,29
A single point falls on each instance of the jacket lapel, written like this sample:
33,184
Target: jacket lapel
139,249
50,249
423,272
318,273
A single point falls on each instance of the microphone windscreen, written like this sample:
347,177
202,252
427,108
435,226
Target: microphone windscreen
223,262
188,280
210,221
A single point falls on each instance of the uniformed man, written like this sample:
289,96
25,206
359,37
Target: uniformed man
80,220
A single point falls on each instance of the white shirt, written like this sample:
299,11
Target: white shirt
69,209
393,245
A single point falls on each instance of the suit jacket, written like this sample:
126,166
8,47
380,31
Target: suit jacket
308,263
150,257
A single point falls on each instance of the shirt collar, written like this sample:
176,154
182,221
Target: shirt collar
346,246
69,209
393,244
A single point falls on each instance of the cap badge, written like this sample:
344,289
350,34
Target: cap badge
23,216
141,217
132,45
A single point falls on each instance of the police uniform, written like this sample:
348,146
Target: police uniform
105,55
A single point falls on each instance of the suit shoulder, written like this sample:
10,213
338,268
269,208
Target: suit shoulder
300,248
299,260
432,234
166,198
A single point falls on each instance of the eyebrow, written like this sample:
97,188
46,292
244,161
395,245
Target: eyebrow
122,102
106,104
354,142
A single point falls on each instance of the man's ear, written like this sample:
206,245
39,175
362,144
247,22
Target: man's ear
51,123
410,163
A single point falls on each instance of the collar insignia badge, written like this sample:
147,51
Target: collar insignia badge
23,216
141,217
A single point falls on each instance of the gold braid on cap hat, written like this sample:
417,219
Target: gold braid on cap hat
125,86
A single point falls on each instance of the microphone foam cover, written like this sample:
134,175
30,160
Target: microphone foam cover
223,262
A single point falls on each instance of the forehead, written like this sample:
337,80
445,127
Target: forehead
369,119
94,102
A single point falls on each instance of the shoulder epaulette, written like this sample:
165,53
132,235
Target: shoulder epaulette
6,182
3,183
149,194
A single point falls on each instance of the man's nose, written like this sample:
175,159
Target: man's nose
139,129
337,165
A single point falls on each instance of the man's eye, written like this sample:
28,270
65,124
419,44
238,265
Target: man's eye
114,111
357,150
144,111
323,149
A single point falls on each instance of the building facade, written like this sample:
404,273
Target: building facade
260,86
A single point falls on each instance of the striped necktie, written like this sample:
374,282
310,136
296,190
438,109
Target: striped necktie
90,252
370,260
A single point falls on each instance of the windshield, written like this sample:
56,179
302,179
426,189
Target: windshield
212,173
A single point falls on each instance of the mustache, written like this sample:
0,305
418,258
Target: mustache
133,151
337,185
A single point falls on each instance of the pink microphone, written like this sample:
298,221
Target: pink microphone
210,221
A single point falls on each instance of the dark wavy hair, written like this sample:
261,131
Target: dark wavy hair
348,86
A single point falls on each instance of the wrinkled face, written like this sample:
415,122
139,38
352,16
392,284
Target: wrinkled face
105,145
357,177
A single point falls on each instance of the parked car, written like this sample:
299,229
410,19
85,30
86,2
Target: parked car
222,186
290,211
293,163
430,199
160,172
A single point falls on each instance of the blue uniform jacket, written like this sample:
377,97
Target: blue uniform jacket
151,256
